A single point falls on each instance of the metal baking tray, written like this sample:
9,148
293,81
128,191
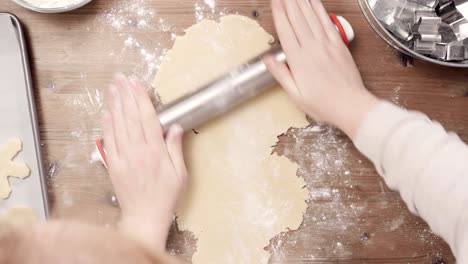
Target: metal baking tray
18,118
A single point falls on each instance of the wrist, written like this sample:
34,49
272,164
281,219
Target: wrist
353,111
152,231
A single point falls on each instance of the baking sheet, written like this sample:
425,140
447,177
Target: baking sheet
18,118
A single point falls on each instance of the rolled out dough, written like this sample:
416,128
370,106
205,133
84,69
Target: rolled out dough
240,195
20,216
10,168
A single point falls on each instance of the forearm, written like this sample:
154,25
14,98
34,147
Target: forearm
427,165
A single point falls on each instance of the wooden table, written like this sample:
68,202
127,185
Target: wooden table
352,218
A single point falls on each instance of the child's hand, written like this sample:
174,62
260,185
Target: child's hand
322,77
147,171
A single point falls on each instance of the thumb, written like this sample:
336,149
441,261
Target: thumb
175,150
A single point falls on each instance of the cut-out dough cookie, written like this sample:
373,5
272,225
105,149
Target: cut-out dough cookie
20,216
240,195
10,168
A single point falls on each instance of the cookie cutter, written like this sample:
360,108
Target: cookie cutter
426,31
429,3
456,51
448,12
462,7
440,51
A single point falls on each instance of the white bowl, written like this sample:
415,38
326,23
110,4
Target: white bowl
67,8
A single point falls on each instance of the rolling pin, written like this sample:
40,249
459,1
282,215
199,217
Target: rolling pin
219,96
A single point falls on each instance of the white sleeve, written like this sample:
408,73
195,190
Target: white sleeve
427,165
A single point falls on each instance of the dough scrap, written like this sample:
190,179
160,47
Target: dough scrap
9,168
20,216
240,195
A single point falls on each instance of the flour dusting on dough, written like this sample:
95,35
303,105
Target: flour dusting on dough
240,196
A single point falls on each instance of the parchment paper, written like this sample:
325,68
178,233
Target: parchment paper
17,119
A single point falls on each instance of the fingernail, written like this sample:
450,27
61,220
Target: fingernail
113,91
121,79
119,76
134,83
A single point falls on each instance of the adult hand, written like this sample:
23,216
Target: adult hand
147,170
320,75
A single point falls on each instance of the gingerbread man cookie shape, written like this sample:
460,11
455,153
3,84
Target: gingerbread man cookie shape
8,168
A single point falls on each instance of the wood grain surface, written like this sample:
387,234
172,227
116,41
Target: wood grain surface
352,218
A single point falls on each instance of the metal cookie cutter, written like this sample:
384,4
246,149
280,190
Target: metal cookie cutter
426,31
448,12
391,13
462,7
427,26
463,31
460,28
447,33
429,3
456,51
465,42
440,51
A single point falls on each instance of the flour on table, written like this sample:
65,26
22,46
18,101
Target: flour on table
211,4
52,3
240,195
9,168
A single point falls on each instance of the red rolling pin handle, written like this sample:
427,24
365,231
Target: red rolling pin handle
343,27
101,152
341,24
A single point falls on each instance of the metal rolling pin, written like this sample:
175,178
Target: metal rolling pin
221,95
245,82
